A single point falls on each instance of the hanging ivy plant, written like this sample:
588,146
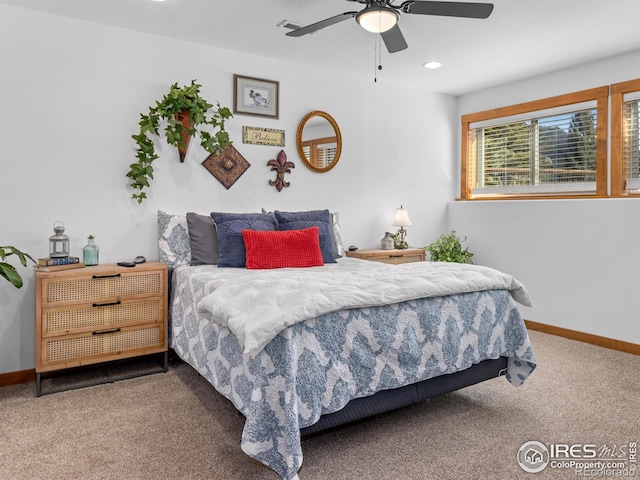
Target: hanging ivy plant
184,110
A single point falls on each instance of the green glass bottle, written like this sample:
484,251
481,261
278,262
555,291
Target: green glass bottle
90,251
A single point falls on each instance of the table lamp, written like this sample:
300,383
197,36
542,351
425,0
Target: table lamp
401,220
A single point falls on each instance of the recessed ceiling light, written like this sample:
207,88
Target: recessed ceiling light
432,65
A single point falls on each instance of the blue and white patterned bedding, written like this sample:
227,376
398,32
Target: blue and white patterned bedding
317,366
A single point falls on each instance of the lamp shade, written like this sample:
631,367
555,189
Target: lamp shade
377,19
402,218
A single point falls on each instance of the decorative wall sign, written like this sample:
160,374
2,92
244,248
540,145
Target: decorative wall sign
263,136
282,166
227,167
255,96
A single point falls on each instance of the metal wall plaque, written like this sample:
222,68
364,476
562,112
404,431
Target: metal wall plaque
227,167
263,136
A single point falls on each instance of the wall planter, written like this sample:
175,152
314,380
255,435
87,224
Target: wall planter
185,120
182,110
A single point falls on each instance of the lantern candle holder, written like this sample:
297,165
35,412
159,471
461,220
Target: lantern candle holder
59,242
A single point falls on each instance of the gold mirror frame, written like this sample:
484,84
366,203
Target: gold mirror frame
299,141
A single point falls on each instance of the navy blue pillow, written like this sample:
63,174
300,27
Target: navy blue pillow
312,218
229,228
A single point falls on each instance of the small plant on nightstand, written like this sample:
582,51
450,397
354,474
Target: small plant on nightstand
7,270
448,248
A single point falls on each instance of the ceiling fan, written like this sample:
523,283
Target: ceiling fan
382,17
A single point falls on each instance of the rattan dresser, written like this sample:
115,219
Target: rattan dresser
98,314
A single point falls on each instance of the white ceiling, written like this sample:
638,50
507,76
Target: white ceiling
520,39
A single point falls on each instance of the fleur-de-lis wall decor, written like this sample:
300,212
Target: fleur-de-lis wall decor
281,166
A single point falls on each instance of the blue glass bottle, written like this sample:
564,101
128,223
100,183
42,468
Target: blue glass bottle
90,251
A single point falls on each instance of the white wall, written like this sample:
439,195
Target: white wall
70,97
579,258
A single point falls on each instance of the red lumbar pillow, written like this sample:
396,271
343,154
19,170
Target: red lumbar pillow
282,249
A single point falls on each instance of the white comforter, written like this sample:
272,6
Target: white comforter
257,304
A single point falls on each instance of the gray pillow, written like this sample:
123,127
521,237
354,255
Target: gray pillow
229,228
203,239
312,218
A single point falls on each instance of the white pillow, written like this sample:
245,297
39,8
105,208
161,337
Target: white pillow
337,234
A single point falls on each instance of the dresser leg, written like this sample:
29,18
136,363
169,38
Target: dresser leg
165,366
38,390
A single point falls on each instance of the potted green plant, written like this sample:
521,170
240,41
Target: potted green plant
184,110
7,270
448,248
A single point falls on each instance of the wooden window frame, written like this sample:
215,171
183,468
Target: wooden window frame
315,145
600,95
618,180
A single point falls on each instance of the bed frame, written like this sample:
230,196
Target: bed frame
389,400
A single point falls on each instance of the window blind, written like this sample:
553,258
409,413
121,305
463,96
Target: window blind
631,139
545,151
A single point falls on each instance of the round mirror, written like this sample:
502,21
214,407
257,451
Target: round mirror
319,141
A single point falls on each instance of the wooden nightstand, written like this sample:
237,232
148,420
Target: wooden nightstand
98,314
391,256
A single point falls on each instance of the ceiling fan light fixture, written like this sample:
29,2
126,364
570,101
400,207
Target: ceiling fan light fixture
377,19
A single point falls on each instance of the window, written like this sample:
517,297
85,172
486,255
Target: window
320,151
546,148
625,136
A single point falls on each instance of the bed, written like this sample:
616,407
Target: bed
299,350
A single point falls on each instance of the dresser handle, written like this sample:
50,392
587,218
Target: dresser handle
397,256
106,304
106,331
106,276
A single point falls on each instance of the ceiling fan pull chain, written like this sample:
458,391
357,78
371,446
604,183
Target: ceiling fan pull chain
375,59
377,54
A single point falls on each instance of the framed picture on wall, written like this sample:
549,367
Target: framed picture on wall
255,96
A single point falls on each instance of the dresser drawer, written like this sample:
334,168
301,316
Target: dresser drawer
75,350
101,286
99,315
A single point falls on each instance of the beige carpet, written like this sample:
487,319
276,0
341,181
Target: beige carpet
175,426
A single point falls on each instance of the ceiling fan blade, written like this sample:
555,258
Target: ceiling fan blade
394,40
448,9
322,24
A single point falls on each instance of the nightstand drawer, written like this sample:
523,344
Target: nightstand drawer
400,258
394,257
